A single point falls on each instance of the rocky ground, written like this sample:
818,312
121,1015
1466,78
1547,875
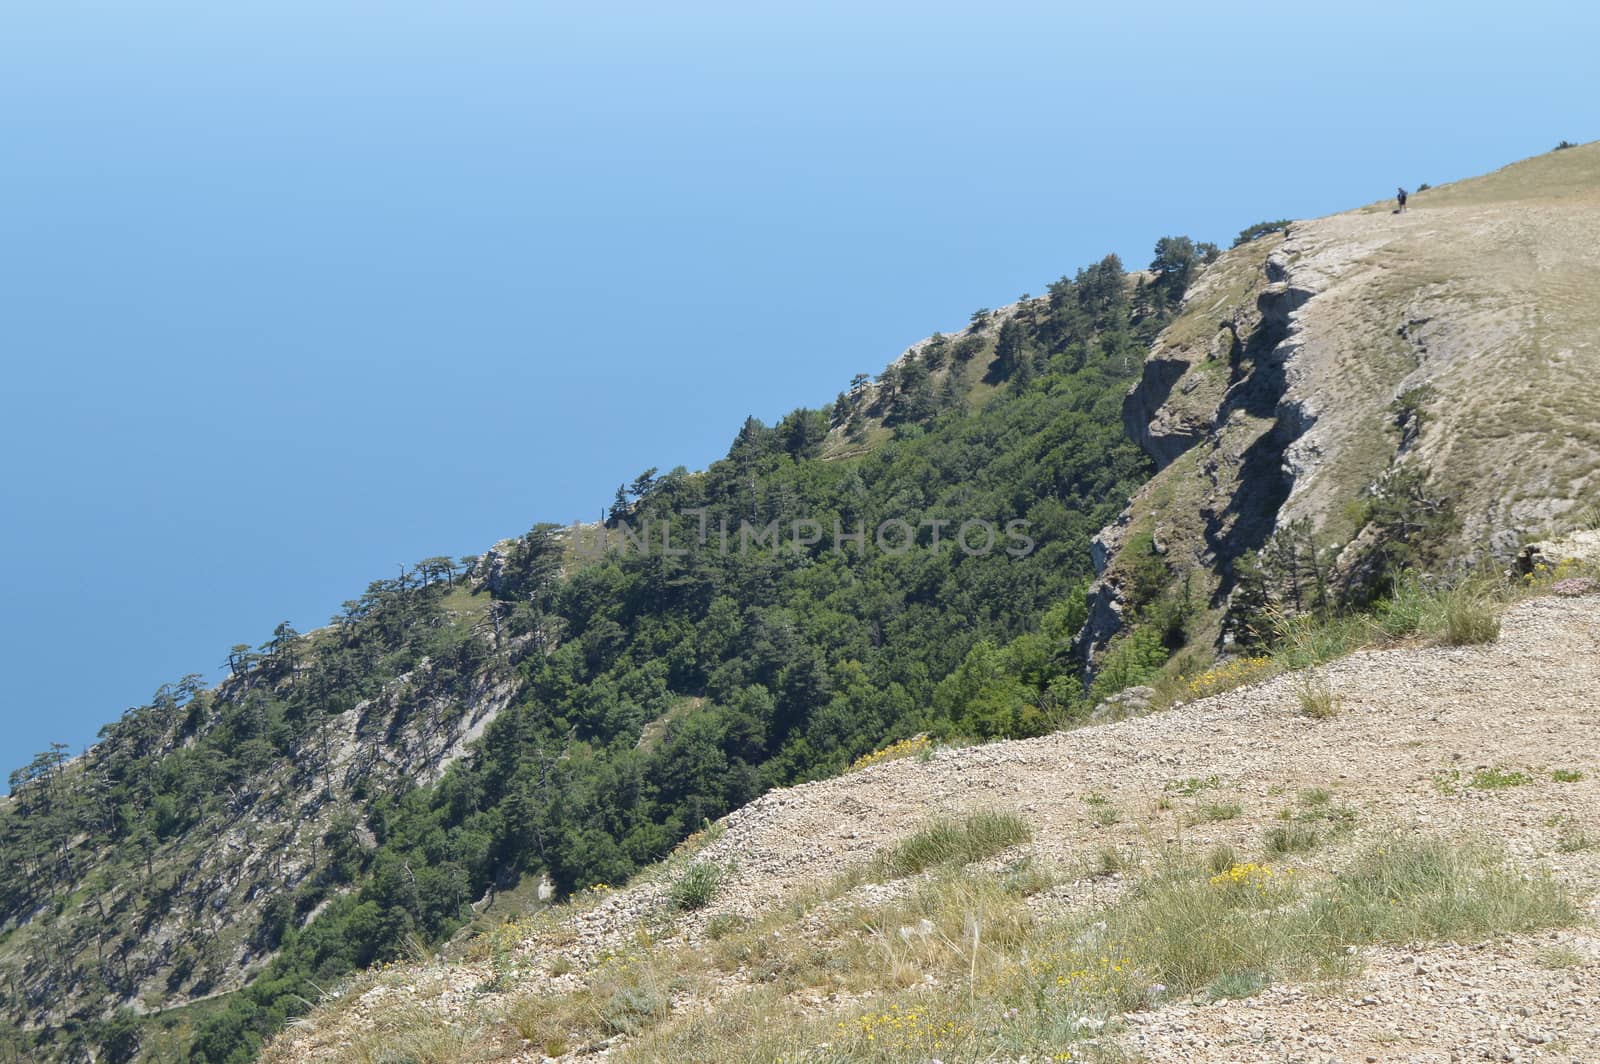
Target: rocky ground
1415,725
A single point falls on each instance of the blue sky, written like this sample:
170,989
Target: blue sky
294,292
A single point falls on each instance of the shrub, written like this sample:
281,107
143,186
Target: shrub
1409,518
1411,406
915,746
1227,675
1147,569
1132,658
633,1008
1260,229
696,887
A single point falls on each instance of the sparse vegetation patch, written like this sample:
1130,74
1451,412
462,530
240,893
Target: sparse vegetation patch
948,842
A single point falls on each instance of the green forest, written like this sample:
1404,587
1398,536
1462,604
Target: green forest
653,691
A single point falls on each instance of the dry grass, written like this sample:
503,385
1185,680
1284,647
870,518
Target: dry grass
1470,619
1460,614
1428,889
961,962
1573,837
1315,695
627,993
962,968
1211,812
416,1036
1284,839
948,842
1560,957
1553,175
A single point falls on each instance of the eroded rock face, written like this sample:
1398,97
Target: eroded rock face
223,873
1214,419
1458,341
1161,433
491,572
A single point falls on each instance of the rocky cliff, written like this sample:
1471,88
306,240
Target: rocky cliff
184,904
1370,373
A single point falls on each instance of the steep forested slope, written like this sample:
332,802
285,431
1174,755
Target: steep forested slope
565,709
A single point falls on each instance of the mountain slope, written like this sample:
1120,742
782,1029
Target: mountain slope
1360,396
1322,410
560,712
1430,743
166,865
1371,372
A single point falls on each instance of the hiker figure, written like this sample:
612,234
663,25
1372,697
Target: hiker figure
1401,196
